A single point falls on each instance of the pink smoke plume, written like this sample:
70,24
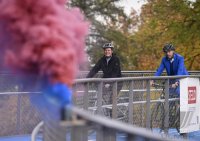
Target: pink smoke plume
43,37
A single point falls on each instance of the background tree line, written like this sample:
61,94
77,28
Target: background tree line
139,39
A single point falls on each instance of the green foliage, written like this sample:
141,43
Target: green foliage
101,13
139,39
175,21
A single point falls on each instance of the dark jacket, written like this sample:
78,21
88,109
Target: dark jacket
110,70
178,66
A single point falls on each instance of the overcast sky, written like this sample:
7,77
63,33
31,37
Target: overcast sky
129,4
136,4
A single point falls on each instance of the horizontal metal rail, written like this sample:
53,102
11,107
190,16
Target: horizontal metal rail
132,72
135,90
83,74
18,93
134,103
85,80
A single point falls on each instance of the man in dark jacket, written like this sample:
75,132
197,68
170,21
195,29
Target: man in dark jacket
109,64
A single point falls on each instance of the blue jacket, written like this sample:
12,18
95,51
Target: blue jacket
178,66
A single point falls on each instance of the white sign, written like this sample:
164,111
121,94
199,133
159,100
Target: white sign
189,105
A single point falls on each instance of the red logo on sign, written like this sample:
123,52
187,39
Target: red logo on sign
192,94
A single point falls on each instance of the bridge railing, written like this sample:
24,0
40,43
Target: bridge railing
126,99
17,116
131,99
83,127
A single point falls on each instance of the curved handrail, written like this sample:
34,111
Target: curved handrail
36,131
116,125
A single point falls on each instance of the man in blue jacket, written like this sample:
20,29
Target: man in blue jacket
174,65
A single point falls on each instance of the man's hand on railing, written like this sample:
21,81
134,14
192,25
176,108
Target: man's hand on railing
107,86
157,85
152,83
175,85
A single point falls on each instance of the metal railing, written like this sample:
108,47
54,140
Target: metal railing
133,102
17,116
83,127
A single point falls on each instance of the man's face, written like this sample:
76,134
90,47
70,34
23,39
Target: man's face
170,54
108,52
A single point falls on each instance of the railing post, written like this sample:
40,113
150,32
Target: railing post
114,104
52,131
130,105
86,96
99,133
131,137
148,105
18,118
74,91
105,134
109,134
166,117
99,98
142,106
79,133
